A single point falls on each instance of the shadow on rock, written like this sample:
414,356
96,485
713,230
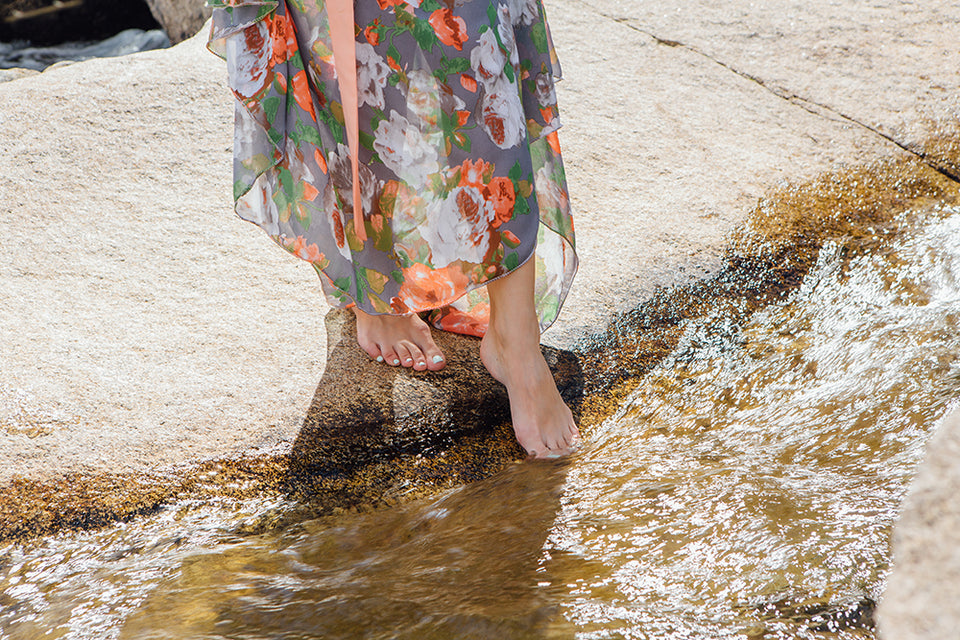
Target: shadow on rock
383,430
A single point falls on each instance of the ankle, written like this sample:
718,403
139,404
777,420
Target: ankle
514,334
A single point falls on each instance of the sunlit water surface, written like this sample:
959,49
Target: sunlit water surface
747,488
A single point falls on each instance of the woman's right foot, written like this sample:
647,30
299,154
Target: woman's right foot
398,341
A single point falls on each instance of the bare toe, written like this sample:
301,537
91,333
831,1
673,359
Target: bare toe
419,360
390,356
406,358
434,357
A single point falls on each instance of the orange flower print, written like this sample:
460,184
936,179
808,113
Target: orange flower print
451,30
299,247
500,192
472,172
554,141
510,238
468,82
425,288
473,323
283,37
321,161
372,35
301,92
309,191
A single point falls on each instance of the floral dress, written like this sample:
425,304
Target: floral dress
459,168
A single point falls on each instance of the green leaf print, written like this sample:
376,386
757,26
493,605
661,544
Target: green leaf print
309,134
550,306
424,35
270,106
393,53
457,65
239,188
492,15
430,5
286,180
512,261
521,206
539,36
516,172
342,283
366,139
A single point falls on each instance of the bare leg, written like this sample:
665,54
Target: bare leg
398,341
510,350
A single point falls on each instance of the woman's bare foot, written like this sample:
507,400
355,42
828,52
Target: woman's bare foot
542,422
398,341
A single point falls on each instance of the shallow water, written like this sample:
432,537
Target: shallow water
22,55
745,489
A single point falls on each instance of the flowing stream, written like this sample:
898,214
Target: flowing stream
746,488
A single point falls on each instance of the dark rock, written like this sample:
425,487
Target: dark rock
48,22
180,18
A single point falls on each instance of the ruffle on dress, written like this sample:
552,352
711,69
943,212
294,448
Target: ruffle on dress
460,173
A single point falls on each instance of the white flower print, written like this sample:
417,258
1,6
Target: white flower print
546,91
487,58
507,35
550,195
372,72
248,67
257,206
405,151
501,113
458,227
524,11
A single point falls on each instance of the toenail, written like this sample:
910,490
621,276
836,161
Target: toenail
396,361
438,359
421,363
379,358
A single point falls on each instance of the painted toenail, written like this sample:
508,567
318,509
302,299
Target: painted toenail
379,358
437,359
421,363
396,361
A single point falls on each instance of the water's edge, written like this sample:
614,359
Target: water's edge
338,465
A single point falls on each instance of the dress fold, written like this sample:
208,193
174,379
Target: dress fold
454,177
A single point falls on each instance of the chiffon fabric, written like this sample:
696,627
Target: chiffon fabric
444,174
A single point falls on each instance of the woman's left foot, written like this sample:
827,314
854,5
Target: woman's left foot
542,421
